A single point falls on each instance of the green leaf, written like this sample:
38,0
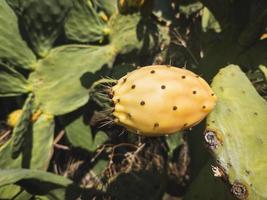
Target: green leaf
40,183
84,25
61,80
206,186
42,20
22,128
12,48
240,137
80,135
12,83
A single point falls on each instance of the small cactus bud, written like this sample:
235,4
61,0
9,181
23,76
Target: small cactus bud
13,118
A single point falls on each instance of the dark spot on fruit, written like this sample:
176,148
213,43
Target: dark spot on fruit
247,172
211,139
259,141
204,107
174,107
124,80
156,125
118,100
243,91
142,103
185,124
129,115
183,77
255,113
133,86
239,190
163,87
152,72
229,165
197,76
194,92
212,121
212,94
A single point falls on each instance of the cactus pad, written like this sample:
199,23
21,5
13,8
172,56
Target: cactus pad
161,99
10,40
70,67
12,83
236,133
43,21
84,24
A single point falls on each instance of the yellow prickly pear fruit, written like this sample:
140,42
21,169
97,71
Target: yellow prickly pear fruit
13,118
158,100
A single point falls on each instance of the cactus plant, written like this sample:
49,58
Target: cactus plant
237,144
55,57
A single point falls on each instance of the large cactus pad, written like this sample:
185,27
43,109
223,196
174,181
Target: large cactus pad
237,133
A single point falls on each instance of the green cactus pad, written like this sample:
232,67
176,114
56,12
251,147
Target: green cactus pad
43,21
10,40
108,6
207,187
61,80
40,183
12,83
133,32
42,142
38,146
80,135
22,128
236,133
84,25
41,145
264,70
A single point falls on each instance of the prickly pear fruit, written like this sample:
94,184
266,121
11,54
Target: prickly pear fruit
157,100
13,118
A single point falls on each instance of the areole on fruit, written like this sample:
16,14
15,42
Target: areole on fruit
161,99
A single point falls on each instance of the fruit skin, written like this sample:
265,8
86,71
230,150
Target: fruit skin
161,99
